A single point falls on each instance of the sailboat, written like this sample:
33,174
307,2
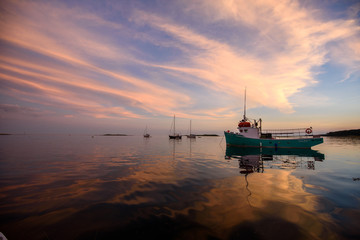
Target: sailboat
191,135
146,134
250,134
174,135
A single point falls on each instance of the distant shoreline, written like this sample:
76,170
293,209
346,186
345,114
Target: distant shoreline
343,133
207,135
114,134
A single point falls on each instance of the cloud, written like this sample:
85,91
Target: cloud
290,41
73,92
148,63
14,109
222,68
57,35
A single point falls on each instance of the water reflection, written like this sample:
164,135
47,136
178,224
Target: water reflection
136,188
278,195
253,159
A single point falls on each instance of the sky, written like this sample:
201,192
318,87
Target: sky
96,67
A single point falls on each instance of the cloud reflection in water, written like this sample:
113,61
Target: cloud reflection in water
119,187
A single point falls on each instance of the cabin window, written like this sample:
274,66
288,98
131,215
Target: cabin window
240,130
245,130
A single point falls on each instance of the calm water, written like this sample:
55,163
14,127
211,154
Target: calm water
79,187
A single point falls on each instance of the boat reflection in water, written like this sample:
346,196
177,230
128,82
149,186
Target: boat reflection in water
253,159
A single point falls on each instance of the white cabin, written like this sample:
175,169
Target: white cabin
249,132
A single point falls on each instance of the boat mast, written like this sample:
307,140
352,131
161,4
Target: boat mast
245,106
190,127
174,124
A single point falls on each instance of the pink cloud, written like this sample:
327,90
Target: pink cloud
289,41
293,39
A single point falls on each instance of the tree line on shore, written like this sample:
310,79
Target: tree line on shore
352,132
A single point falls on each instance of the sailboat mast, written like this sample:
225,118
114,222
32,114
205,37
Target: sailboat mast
174,124
190,127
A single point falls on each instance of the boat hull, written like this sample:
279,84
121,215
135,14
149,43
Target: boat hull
175,136
191,136
233,139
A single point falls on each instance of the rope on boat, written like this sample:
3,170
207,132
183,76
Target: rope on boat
221,140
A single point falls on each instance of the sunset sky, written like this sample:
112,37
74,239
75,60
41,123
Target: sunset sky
118,66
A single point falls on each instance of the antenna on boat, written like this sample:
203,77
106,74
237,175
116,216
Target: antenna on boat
245,105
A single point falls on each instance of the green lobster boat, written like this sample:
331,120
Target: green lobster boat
249,134
242,140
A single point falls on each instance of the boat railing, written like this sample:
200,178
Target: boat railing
288,133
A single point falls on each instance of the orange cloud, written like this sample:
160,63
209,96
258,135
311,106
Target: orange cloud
30,34
149,98
292,39
86,67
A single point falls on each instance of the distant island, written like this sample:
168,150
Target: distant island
115,134
353,132
207,135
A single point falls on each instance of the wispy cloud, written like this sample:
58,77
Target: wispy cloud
289,43
75,92
148,63
14,109
72,77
